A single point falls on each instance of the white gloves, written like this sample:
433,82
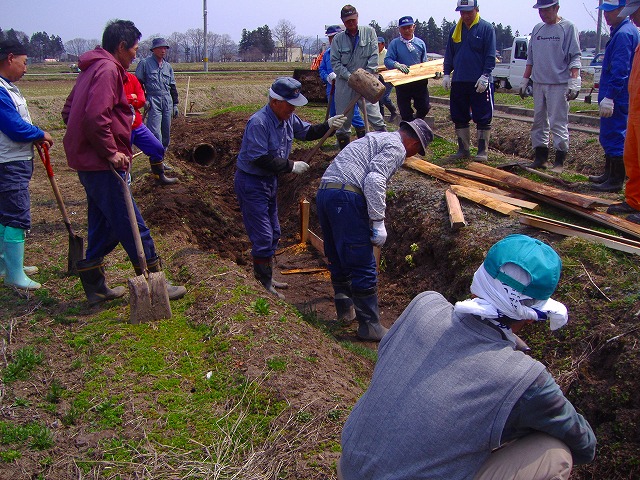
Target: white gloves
402,67
337,121
606,107
482,83
525,87
446,82
299,167
573,88
379,233
331,77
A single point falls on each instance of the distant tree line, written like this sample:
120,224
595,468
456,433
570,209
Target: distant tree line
262,44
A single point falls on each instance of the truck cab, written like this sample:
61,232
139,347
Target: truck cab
509,72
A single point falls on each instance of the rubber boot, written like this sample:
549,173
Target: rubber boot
161,179
154,265
264,274
360,132
343,140
558,165
274,282
541,157
91,273
28,270
464,141
345,311
368,315
616,176
394,111
607,171
483,145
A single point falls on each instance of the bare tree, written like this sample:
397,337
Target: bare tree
180,44
228,49
196,40
213,40
77,46
285,35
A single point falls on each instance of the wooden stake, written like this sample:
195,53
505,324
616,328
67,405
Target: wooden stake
456,217
186,97
304,220
479,197
317,242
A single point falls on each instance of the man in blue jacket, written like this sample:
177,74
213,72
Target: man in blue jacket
613,96
404,51
471,55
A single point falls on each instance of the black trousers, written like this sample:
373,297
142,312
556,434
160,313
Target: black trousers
418,92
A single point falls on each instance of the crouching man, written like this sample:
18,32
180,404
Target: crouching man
451,397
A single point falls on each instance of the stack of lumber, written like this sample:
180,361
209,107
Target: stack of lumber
420,71
509,194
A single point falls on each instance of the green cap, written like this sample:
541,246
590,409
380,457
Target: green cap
536,258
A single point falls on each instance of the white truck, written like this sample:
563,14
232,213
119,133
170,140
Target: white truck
509,72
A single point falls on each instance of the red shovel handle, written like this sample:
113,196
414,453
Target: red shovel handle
43,150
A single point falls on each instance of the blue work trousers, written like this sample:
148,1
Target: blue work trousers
613,131
107,218
159,117
346,232
146,141
259,207
15,202
466,104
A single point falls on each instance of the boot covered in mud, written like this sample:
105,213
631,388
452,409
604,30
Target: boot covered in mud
154,265
368,315
483,145
464,142
558,165
274,282
91,273
360,132
343,140
345,310
541,158
616,178
158,170
263,272
607,171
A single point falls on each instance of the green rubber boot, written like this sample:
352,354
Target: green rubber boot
14,260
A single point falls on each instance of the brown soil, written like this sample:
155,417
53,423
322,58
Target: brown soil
199,216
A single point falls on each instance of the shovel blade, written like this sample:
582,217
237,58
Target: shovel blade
75,254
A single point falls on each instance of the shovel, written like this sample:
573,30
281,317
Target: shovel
148,296
76,249
365,85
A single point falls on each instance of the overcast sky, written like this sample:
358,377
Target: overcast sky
86,18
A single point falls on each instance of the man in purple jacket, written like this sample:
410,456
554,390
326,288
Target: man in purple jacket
98,119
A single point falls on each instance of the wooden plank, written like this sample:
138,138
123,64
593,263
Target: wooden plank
531,186
479,197
294,271
569,231
419,71
456,217
518,202
304,220
479,177
317,242
440,173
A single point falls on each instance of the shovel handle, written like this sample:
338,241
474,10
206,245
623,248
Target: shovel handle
142,261
315,149
43,151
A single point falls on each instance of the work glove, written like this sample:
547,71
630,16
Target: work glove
482,84
402,67
331,77
606,107
337,121
526,88
573,88
299,167
378,233
446,82
175,111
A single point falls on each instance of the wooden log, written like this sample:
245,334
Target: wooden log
570,230
456,217
479,197
478,177
531,186
419,71
294,271
367,85
440,173
317,242
304,220
518,202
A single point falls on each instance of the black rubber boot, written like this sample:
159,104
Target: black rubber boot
274,282
616,176
91,273
622,207
368,315
558,165
343,140
264,274
483,145
161,179
154,266
360,132
464,142
345,311
607,171
541,157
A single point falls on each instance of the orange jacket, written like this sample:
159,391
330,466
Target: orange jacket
132,87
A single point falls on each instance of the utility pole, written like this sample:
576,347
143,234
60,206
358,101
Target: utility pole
599,30
206,46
